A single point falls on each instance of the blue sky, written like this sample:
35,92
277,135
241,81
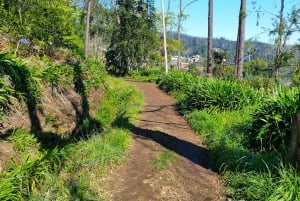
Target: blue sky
226,18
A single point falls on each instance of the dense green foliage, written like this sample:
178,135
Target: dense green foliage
134,37
271,127
200,93
248,144
26,81
43,24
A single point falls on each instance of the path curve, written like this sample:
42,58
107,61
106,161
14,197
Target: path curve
161,128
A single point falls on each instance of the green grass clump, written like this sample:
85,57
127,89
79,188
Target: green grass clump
23,141
120,106
146,75
249,185
164,160
200,93
101,150
287,185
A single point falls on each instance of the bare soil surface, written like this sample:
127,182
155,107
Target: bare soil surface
161,128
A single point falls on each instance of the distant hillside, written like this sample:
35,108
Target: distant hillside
198,45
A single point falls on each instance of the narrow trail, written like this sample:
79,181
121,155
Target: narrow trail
161,128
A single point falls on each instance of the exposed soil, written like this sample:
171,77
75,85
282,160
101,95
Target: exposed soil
161,128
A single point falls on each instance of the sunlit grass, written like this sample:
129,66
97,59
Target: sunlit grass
164,160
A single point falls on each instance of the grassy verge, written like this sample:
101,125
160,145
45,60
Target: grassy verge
248,140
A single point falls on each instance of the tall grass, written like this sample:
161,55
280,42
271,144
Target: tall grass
200,93
120,105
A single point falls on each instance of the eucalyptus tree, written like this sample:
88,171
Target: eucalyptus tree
181,16
210,39
285,23
284,27
240,43
134,36
88,8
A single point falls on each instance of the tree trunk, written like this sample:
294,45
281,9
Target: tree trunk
179,32
280,33
295,139
165,37
210,39
241,41
87,27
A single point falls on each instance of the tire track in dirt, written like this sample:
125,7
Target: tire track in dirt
161,128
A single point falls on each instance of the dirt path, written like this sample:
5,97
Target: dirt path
160,128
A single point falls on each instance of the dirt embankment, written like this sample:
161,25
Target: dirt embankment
58,113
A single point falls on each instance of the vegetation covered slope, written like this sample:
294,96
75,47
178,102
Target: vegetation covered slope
52,162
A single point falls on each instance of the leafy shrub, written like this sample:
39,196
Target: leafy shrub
271,121
94,73
25,80
22,140
6,92
176,81
260,83
58,76
147,75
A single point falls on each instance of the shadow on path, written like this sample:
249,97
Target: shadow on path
190,151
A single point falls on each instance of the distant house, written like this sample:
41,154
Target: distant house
195,58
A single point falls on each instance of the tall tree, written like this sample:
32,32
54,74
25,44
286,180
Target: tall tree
210,39
134,38
240,43
87,27
181,16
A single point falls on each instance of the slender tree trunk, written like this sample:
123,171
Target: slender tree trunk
179,32
280,33
165,37
87,28
210,39
241,41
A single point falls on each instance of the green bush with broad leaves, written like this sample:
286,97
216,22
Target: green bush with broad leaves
271,124
26,81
